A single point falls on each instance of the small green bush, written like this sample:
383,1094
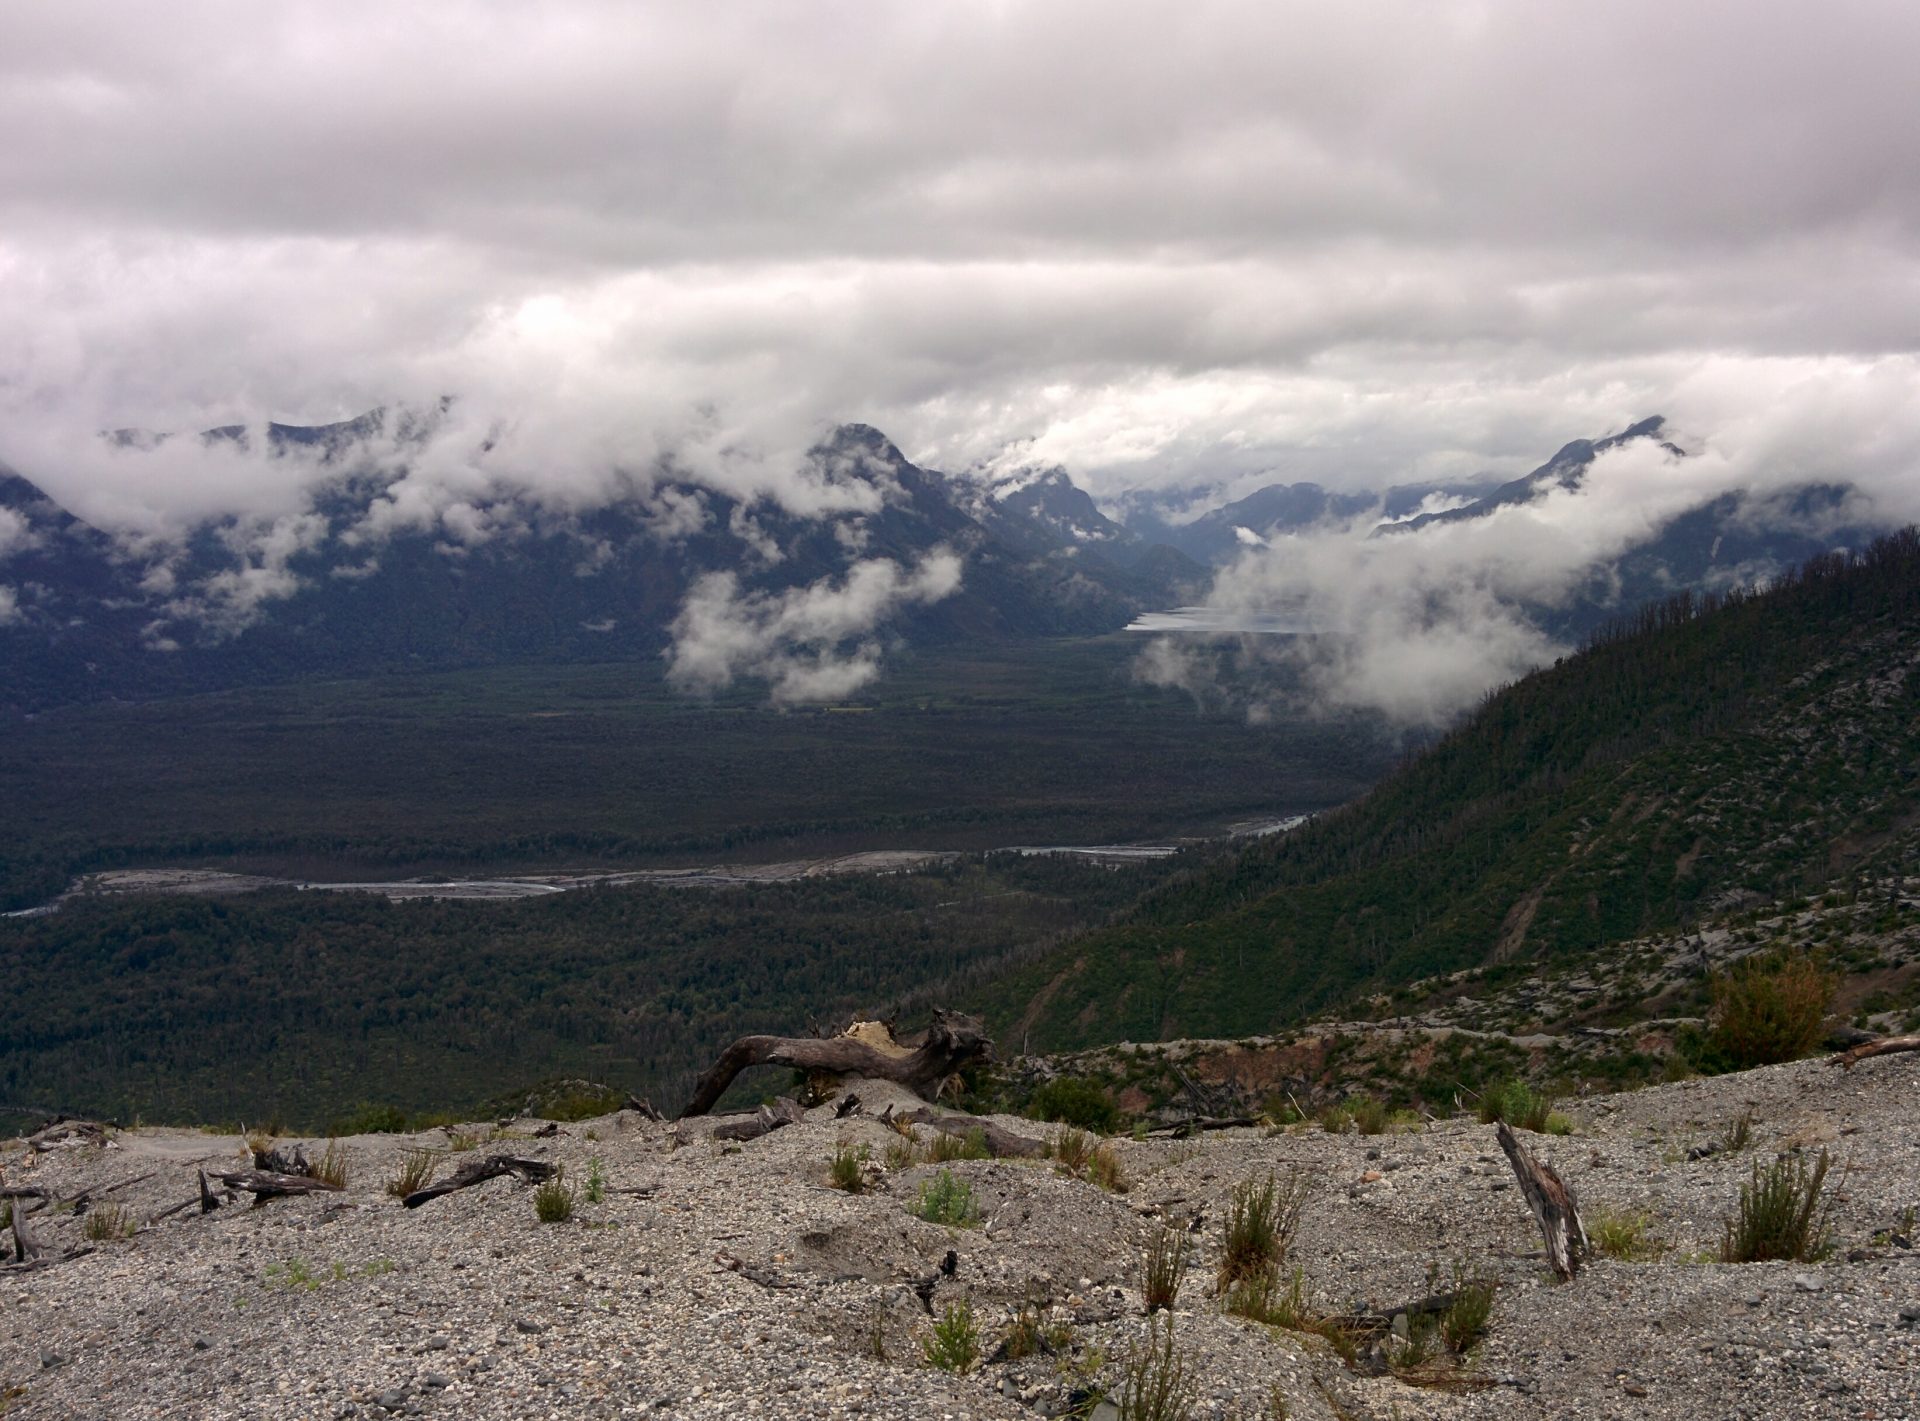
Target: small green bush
110,1221
1780,1216
1103,1168
947,1200
954,1343
1077,1102
1524,1108
1465,1320
553,1200
1072,1149
596,1181
372,1120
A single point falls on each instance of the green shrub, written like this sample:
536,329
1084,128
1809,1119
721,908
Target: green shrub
1103,1168
1166,1266
1076,1101
1780,1215
372,1120
1521,1106
553,1200
954,1343
1769,1009
947,1200
1156,1385
1370,1115
596,1181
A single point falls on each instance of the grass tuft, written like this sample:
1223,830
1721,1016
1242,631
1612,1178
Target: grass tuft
844,1168
1627,1237
553,1200
1156,1385
332,1167
415,1172
110,1221
1261,1219
1165,1267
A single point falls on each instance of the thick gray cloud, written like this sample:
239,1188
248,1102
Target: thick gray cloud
1216,243
1345,241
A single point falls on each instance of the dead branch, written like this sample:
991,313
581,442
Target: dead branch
1553,1205
1001,1144
480,1170
953,1041
1885,1046
764,1121
265,1184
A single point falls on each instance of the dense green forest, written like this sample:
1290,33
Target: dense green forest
303,1007
603,765
1710,752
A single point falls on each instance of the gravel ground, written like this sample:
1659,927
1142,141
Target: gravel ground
735,1282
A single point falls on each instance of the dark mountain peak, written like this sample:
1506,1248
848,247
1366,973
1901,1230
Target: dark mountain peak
1564,470
850,440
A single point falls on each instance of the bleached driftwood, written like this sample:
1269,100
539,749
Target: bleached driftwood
952,1041
1553,1205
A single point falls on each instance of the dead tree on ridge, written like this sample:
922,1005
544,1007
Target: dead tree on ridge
952,1041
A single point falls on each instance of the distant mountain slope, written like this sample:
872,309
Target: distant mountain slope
1716,752
350,587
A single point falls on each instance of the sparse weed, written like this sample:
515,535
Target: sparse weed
1738,1134
553,1199
1024,1334
415,1172
1627,1237
947,1147
1524,1108
332,1168
110,1221
1780,1214
954,1343
902,1153
294,1273
947,1200
1103,1168
461,1141
1072,1148
844,1167
1165,1267
596,1181
1157,1385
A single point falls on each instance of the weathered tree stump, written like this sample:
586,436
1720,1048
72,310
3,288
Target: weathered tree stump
265,1184
1553,1205
952,1041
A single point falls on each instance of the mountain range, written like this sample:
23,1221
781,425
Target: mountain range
360,582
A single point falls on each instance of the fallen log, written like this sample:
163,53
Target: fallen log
265,1184
764,1121
1001,1144
952,1041
65,1134
1185,1129
1885,1046
478,1171
1553,1205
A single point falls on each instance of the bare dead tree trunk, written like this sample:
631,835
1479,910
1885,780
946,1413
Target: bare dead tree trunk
1553,1205
952,1041
1885,1046
265,1184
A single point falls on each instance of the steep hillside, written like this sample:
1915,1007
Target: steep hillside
1713,753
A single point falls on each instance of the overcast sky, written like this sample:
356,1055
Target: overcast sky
1350,242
